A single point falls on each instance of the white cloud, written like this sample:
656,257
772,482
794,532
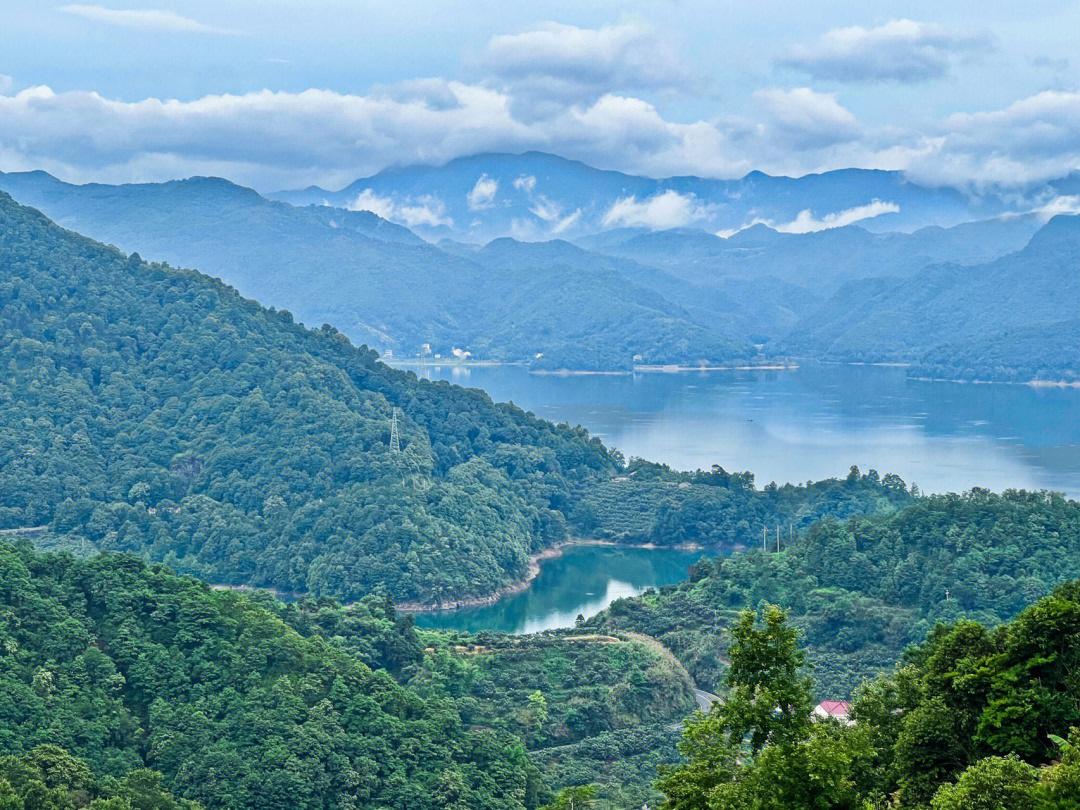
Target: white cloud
1063,204
328,138
142,19
806,222
6,83
545,209
428,210
667,210
1033,139
569,221
808,118
900,50
483,193
554,61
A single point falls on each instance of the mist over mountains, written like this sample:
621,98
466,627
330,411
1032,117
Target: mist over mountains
536,196
540,260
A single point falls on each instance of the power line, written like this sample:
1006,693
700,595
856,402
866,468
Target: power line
395,435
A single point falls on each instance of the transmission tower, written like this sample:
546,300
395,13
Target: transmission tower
395,436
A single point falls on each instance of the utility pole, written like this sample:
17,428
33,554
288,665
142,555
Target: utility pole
946,594
764,539
777,538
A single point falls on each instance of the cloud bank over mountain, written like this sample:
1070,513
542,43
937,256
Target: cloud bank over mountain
640,94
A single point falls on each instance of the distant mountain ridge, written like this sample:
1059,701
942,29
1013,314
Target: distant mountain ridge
625,296
536,195
385,287
1014,318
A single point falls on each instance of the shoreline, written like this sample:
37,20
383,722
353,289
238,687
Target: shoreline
1029,383
514,588
522,585
671,368
676,368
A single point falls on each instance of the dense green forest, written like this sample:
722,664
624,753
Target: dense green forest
651,503
49,778
236,701
972,719
382,285
203,431
862,589
120,681
154,410
590,709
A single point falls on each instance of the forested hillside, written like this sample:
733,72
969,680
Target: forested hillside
1011,319
861,590
383,286
154,410
974,718
236,703
590,709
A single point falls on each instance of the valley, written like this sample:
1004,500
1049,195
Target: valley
494,406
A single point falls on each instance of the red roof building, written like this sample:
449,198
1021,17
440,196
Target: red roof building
838,710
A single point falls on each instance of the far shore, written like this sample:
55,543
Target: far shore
676,368
1028,383
671,368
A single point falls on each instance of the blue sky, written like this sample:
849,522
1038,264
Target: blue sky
278,93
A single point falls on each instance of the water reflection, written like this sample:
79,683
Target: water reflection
815,422
583,581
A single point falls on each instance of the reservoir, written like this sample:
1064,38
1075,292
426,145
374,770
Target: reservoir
583,580
795,425
813,422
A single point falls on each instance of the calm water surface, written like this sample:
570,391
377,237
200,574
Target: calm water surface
814,422
799,425
584,580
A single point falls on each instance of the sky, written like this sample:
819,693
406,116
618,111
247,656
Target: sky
286,93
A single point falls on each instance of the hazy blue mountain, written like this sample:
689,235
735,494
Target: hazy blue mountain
605,301
374,280
386,287
539,196
1012,318
821,260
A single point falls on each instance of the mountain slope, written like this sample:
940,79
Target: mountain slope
382,285
986,316
536,196
201,429
238,702
376,281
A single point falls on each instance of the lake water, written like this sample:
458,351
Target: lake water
583,580
805,424
814,422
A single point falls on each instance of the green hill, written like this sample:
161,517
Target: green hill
380,284
237,702
154,410
862,589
